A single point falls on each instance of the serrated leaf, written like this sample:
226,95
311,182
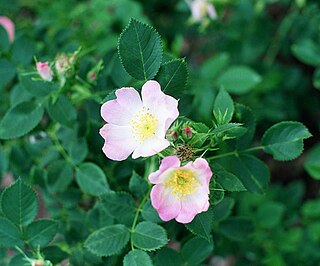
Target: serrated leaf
118,203
150,214
37,87
19,203
312,162
226,179
137,185
222,210
137,258
62,111
173,76
236,228
26,117
168,256
140,50
10,236
223,107
239,79
284,141
149,236
252,172
108,241
91,179
225,128
59,176
201,225
196,250
41,232
307,52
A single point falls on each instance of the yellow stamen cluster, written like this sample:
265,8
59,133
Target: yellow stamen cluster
143,125
183,183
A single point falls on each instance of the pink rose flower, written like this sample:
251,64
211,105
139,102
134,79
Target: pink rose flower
200,9
44,71
180,193
8,25
137,126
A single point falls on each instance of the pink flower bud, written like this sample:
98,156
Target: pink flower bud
187,132
8,25
171,135
44,71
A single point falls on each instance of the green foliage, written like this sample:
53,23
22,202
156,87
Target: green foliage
41,232
312,162
91,179
307,51
137,258
26,117
19,203
239,79
149,236
9,234
236,228
140,50
223,107
285,140
108,240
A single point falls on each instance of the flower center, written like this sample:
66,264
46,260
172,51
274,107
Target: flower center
143,125
183,183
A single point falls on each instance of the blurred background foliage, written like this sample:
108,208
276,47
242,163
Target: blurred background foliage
270,48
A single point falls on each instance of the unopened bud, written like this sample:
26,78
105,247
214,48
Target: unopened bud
187,133
171,135
38,263
44,71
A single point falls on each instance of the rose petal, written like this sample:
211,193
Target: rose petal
113,112
167,205
166,163
119,143
129,99
150,146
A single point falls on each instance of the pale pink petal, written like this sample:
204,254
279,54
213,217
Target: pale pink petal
196,10
113,112
203,171
119,143
8,26
44,71
163,106
167,205
129,99
212,11
150,146
192,205
166,163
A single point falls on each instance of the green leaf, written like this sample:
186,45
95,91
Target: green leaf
36,86
173,76
108,241
239,79
140,50
41,232
311,209
216,193
62,111
312,162
223,107
222,210
149,236
7,71
169,257
9,234
214,65
59,176
284,141
26,117
226,179
236,228
19,203
196,250
118,203
150,214
137,185
19,94
78,150
91,179
269,214
4,39
201,225
137,258
118,75
307,52
252,172
23,50
225,128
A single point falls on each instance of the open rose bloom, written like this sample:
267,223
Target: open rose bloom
180,193
44,71
136,125
8,25
200,9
